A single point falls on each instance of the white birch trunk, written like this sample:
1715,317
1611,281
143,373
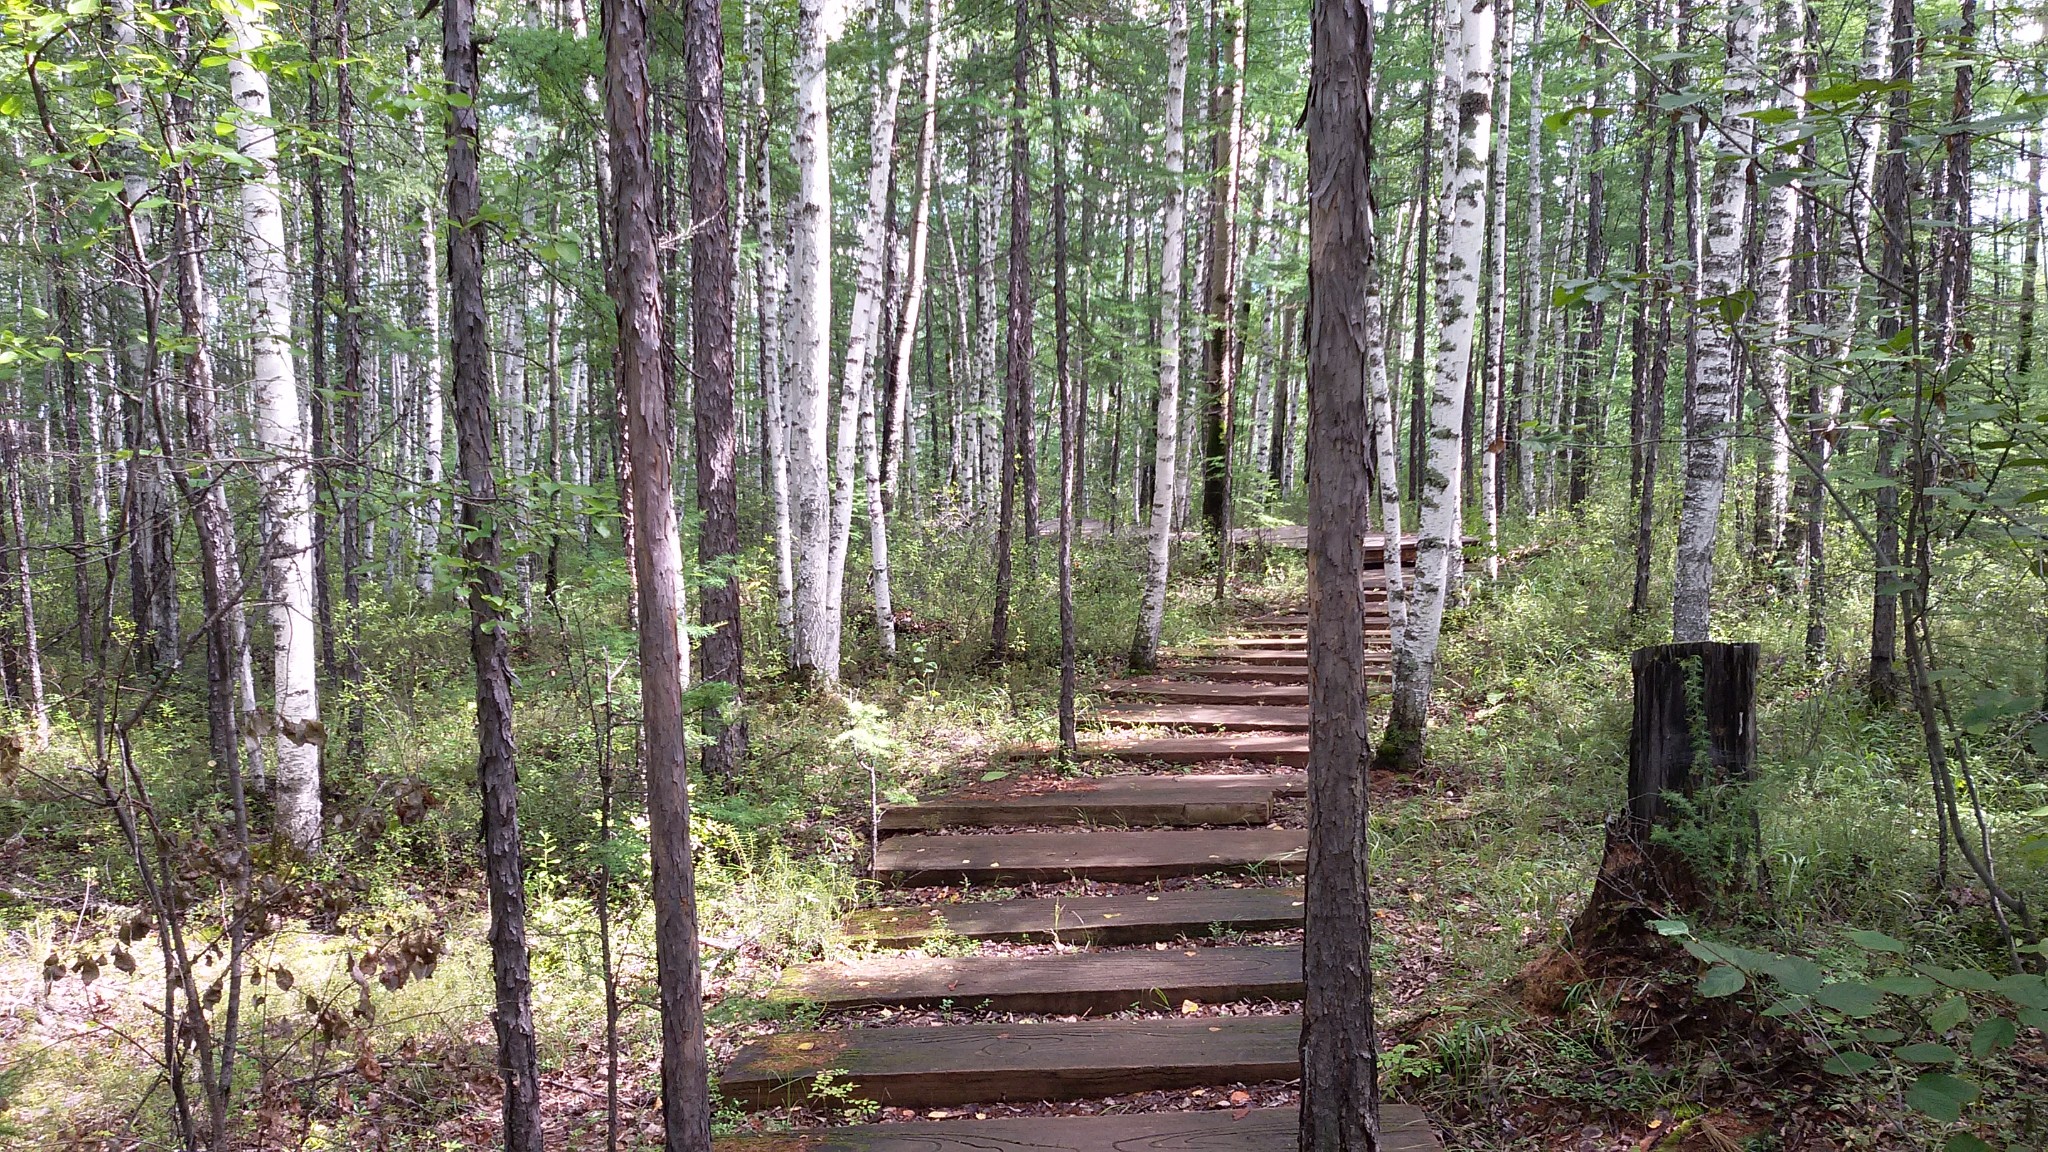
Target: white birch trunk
1532,266
920,250
1716,315
1173,253
1492,433
878,525
1386,458
1780,210
281,438
768,289
426,322
1468,67
813,633
862,326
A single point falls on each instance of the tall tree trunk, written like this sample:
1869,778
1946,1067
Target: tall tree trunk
920,255
1656,376
864,322
285,477
1017,388
11,437
713,270
814,642
768,303
425,321
1468,58
354,475
1717,310
1173,254
1340,1104
1780,209
489,641
1527,309
1492,429
1585,368
1219,330
1064,398
664,658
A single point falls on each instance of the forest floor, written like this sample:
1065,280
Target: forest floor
1479,864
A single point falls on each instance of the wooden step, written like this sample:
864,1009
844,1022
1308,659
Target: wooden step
1068,983
1124,857
1290,749
989,1063
1402,1129
1133,918
1296,673
1116,800
1207,692
1240,718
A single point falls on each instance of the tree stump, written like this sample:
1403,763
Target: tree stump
1694,729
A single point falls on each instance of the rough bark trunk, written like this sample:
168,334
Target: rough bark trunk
664,658
1492,432
425,321
713,270
1339,1047
1017,388
1527,309
1064,397
1898,308
489,642
1781,210
768,304
284,472
1166,446
1219,332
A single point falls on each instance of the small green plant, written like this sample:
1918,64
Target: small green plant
1929,1032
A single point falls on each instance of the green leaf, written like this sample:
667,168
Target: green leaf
2034,1018
1849,1062
1850,998
1993,1035
1796,974
1671,927
1949,1014
993,775
1927,1054
2025,991
1961,979
1772,115
1722,980
1905,985
1789,1006
1874,941
1941,1095
1964,1142
1883,1035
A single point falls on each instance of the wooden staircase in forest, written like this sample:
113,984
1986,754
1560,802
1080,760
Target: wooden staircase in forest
1127,935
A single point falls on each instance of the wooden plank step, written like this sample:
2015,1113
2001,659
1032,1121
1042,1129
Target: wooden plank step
1067,983
1290,748
1118,800
1125,857
988,1063
1132,918
1206,692
1403,1128
1241,673
1241,718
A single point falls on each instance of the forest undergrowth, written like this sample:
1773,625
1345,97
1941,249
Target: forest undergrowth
369,1011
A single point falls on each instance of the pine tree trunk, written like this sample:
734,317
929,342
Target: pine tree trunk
768,304
1781,209
1065,399
814,640
1717,309
1492,431
489,641
284,475
1219,331
664,658
1018,469
713,271
1340,1106
920,255
1468,57
1166,447
1527,309
354,476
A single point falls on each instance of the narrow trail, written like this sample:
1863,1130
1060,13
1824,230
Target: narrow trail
1167,961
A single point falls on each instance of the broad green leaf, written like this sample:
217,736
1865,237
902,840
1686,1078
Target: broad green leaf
1949,1014
1789,1006
1874,941
1927,1054
1961,979
1849,1063
1964,1142
1941,1095
1883,1035
1992,1035
992,775
1850,998
1796,974
1905,985
2034,1018
2025,991
1671,927
1722,980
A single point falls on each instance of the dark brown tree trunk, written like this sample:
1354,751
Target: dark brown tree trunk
1065,398
1898,307
1593,326
1656,382
1017,390
1219,338
316,348
353,477
1339,1047
712,272
489,642
685,1071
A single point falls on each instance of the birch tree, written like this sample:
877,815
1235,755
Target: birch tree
1717,310
1173,254
768,302
814,639
1468,56
283,472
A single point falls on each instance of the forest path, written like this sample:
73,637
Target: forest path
1135,989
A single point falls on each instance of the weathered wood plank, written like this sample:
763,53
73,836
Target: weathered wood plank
1296,673
1402,1129
1069,983
1116,800
1206,692
988,1063
1288,748
1134,918
1018,857
1238,718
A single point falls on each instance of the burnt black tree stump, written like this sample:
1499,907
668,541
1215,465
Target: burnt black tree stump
1694,726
